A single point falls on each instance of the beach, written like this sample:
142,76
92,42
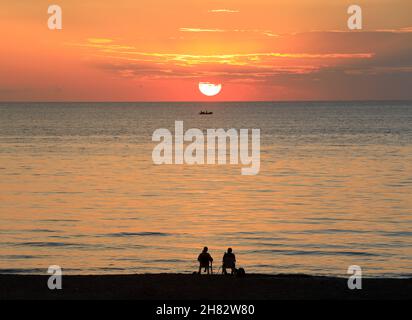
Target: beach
195,287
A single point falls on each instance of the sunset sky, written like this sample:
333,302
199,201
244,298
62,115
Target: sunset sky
159,50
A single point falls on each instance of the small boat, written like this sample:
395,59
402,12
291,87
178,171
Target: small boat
205,112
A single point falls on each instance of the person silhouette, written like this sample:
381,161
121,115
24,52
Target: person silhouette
205,261
229,261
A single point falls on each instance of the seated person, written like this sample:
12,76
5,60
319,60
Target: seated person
204,260
229,261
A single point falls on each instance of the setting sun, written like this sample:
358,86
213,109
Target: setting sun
210,89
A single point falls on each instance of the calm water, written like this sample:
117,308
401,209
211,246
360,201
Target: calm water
78,189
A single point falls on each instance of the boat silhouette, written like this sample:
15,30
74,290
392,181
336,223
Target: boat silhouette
205,112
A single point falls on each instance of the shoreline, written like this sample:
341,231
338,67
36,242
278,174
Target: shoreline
204,287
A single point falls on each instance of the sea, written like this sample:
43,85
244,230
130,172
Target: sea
79,189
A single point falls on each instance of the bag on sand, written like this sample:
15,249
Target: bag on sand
240,272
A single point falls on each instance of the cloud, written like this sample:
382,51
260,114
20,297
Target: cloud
333,64
226,73
246,57
223,11
377,70
252,67
272,34
99,40
268,33
201,30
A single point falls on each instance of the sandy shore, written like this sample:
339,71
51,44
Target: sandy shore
194,287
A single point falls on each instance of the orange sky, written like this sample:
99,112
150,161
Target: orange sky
159,50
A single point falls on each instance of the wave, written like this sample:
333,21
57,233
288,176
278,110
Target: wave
36,271
316,252
48,244
137,234
20,257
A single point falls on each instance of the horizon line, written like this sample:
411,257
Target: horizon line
200,101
